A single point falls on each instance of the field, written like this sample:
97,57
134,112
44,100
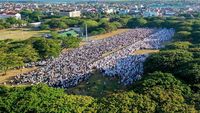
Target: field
97,86
20,34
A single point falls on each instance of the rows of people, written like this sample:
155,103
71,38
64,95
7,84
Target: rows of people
76,65
129,67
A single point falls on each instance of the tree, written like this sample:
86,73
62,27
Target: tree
47,48
167,61
160,80
98,31
137,22
2,62
155,23
44,27
195,100
62,25
25,14
166,91
9,61
184,28
178,45
20,23
108,26
190,72
56,23
117,24
128,102
35,16
27,53
71,22
70,42
12,21
183,35
91,25
195,37
171,22
195,51
41,98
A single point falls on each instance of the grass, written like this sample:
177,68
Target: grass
12,73
145,51
20,34
97,86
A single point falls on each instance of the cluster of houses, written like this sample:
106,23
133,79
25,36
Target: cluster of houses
79,9
5,14
146,9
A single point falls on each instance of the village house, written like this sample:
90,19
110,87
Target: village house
4,15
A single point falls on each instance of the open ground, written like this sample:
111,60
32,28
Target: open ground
20,34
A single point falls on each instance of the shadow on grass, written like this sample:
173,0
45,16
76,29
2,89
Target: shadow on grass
97,86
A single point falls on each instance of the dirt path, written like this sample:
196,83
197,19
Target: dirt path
145,51
12,73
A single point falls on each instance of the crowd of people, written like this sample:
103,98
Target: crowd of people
127,66
76,65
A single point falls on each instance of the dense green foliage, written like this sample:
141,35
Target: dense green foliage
17,53
167,60
47,47
31,16
94,26
157,92
41,99
11,22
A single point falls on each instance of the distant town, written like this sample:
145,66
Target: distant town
148,9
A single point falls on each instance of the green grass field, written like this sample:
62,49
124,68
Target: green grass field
20,34
97,86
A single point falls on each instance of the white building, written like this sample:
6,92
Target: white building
150,13
125,11
8,15
35,24
71,13
109,11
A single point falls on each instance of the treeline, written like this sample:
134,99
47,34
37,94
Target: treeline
156,93
11,22
94,26
18,53
186,28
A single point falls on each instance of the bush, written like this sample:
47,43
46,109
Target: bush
41,98
190,72
46,48
70,42
167,61
178,45
183,35
128,102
